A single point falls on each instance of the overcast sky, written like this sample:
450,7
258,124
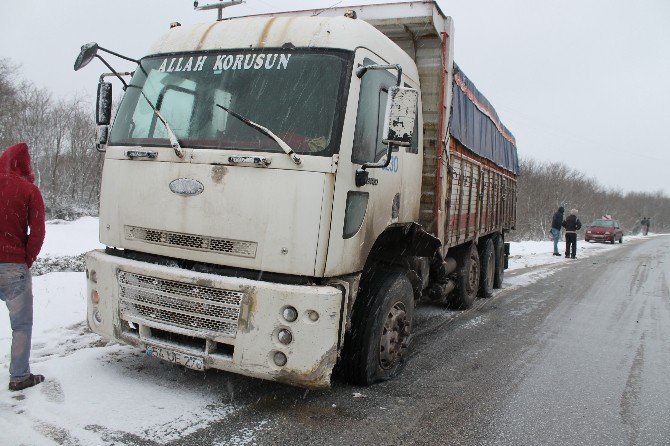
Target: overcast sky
584,82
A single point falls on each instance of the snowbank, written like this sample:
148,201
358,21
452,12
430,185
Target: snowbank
70,238
535,253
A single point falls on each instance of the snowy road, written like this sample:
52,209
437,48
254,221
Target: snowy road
598,370
570,351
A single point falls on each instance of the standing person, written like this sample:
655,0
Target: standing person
571,225
556,224
645,225
21,237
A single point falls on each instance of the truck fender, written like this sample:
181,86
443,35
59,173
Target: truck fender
402,240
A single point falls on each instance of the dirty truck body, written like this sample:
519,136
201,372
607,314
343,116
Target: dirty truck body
235,257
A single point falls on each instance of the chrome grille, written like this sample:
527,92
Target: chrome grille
190,241
193,307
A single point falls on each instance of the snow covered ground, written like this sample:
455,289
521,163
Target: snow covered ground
97,393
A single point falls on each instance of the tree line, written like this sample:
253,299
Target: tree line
61,137
544,186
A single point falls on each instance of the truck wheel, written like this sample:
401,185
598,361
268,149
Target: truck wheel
488,268
467,283
376,346
499,248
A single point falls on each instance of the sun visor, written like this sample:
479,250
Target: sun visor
475,124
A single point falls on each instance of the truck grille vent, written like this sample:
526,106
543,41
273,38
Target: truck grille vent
185,305
190,241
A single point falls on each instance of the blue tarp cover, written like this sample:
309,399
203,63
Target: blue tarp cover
475,124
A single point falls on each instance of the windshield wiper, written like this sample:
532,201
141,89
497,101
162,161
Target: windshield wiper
285,147
174,142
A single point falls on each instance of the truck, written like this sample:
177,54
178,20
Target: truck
280,191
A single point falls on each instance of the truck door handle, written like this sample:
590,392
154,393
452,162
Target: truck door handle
132,154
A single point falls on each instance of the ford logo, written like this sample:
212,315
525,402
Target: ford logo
186,186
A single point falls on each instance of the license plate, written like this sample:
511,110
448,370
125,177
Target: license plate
192,362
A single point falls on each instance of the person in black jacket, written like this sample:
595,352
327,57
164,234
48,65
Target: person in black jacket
556,224
571,225
645,226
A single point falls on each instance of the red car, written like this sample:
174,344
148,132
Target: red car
604,231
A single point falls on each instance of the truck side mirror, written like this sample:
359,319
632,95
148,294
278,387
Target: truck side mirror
401,110
86,55
101,138
103,104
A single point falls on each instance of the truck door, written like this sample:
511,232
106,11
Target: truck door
368,209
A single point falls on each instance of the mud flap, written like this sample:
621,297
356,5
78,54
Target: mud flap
506,263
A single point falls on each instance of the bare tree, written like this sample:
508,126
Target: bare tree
543,187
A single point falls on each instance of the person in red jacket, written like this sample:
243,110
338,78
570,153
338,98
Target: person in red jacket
21,237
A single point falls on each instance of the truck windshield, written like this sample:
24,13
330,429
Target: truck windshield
298,95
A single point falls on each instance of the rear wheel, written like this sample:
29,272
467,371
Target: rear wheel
499,248
467,283
488,268
376,346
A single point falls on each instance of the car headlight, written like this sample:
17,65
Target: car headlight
588,232
607,232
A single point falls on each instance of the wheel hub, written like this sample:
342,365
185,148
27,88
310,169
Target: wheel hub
395,333
473,276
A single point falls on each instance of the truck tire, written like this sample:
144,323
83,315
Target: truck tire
467,282
499,248
488,268
376,346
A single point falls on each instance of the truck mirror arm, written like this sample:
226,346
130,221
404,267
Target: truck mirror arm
90,51
114,72
362,174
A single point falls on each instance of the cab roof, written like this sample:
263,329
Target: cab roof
275,32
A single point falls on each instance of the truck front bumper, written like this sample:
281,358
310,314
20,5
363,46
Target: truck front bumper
209,321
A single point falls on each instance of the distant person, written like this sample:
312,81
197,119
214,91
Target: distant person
21,237
645,226
571,225
556,224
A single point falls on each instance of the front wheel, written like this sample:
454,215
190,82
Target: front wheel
621,239
376,346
